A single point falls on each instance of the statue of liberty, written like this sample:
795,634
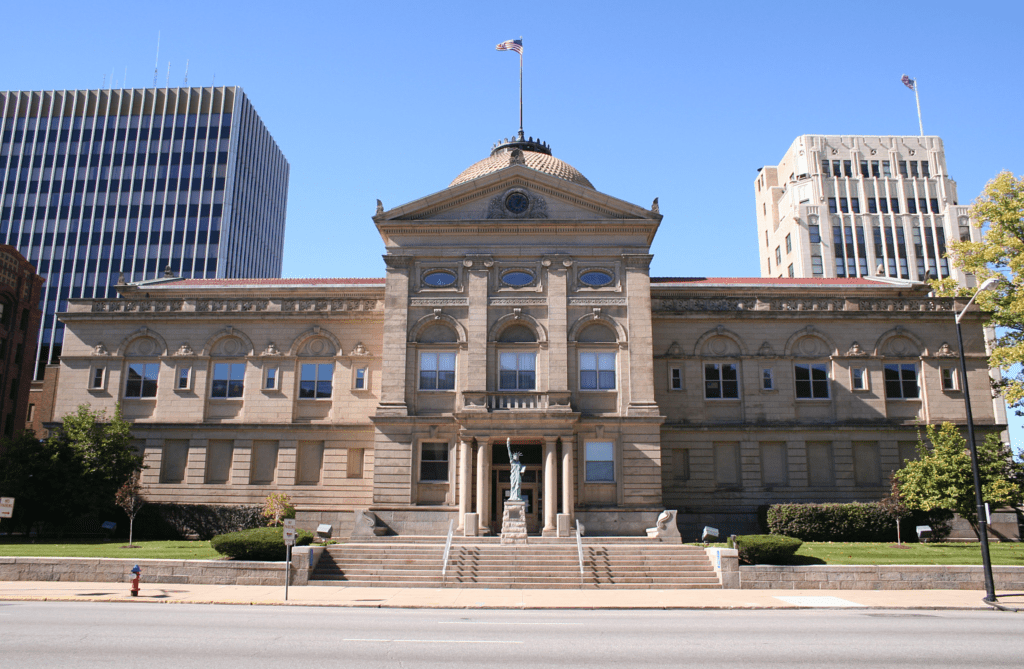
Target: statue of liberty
516,476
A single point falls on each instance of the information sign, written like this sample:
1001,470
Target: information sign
6,507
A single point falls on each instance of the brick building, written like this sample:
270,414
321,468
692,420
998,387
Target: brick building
19,325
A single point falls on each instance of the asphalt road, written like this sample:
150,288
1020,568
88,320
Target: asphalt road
70,635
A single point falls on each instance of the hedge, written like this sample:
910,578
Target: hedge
832,522
189,521
766,548
262,543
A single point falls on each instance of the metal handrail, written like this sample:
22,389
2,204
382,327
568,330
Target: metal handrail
579,549
447,550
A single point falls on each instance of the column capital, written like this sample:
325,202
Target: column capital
397,261
638,260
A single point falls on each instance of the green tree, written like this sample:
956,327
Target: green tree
129,498
1000,207
941,477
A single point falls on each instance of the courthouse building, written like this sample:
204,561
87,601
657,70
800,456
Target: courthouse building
517,304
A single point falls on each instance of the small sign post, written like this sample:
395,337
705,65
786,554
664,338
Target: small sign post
289,541
6,507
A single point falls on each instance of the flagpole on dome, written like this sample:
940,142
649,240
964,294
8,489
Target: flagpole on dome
517,46
912,85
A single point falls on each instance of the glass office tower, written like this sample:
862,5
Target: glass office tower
97,184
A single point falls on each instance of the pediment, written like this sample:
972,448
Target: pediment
487,199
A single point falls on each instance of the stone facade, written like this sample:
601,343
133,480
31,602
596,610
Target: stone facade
517,304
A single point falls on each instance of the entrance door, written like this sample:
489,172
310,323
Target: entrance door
531,487
530,492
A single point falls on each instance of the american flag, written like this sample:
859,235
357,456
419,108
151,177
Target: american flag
511,45
908,82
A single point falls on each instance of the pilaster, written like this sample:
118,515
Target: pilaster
396,326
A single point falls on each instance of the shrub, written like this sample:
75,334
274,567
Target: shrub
766,548
832,522
185,521
276,508
261,543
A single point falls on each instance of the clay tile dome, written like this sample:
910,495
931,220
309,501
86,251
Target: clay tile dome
519,150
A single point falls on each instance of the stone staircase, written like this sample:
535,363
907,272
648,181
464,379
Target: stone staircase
608,562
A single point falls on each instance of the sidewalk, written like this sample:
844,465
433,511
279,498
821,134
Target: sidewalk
470,598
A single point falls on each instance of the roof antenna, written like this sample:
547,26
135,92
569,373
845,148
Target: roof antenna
156,65
186,72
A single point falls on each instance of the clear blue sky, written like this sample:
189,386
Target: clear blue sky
677,100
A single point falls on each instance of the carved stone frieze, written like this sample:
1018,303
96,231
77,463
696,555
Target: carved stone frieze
330,305
232,305
638,260
704,304
134,306
907,304
808,304
516,301
596,301
398,262
438,301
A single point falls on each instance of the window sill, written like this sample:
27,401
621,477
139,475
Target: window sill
722,399
140,399
434,390
813,399
272,391
225,400
303,400
602,391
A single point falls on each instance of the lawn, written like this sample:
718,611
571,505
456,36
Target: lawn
940,553
166,550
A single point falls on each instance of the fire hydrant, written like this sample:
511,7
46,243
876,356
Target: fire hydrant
135,581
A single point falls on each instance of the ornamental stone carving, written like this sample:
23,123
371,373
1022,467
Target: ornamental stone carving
945,351
856,351
535,205
907,305
766,350
638,261
184,350
136,305
360,349
596,301
329,305
398,262
232,305
271,350
100,349
438,301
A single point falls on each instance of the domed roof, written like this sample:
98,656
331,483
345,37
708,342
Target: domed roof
519,150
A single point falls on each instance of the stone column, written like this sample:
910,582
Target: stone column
465,478
396,326
483,483
568,478
476,324
558,348
550,486
641,336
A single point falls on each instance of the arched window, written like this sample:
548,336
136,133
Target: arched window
597,357
517,358
437,359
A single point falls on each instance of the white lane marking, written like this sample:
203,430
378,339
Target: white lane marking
431,641
481,622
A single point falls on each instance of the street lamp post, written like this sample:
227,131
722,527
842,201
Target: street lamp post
986,561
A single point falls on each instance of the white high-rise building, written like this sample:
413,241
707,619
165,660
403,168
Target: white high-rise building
857,206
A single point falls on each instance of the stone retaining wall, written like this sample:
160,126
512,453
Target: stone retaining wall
879,577
192,572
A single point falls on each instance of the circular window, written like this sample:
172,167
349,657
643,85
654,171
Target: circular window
595,278
517,203
439,278
517,278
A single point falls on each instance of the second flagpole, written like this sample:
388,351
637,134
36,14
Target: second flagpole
521,90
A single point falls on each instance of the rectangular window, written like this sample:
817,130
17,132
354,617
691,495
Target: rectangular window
354,464
721,381
434,461
819,463
791,271
824,168
935,205
675,376
789,244
885,169
360,379
866,466
859,378
681,464
814,232
844,206
184,380
98,378
228,379
913,169
142,377
310,462
832,206
767,379
774,463
270,380
903,168
901,381
848,168
315,383
835,169
817,268
518,371
600,465
727,463
437,371
597,371
264,462
855,204
883,205
864,168
895,203
30,416
949,378
922,205
925,172
174,461
872,205
778,255
219,455
812,381
874,169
